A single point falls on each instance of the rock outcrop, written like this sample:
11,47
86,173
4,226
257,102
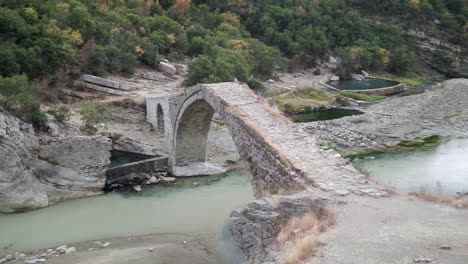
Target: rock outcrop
19,189
39,172
440,55
256,227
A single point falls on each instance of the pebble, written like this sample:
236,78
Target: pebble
35,260
422,260
150,249
137,188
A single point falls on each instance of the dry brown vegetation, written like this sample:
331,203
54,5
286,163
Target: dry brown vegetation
300,236
458,201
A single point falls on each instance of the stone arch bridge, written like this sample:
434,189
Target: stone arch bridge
278,151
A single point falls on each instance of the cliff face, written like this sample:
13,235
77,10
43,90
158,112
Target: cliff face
19,189
36,173
440,55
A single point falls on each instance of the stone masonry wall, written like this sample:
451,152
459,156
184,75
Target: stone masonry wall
77,153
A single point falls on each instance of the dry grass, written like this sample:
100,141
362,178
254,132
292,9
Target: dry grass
303,249
300,237
458,201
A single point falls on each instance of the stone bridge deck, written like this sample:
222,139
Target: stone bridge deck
324,168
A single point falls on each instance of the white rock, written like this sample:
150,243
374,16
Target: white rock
332,59
2,260
97,244
35,260
150,249
70,250
106,244
154,180
167,68
168,179
137,188
21,256
62,249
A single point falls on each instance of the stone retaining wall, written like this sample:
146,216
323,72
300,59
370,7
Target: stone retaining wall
120,173
384,91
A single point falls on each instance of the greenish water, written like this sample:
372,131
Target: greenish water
321,115
441,169
201,211
122,157
362,85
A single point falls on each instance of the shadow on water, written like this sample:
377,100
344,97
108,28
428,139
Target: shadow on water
321,115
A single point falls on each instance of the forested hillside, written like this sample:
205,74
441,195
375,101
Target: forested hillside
56,40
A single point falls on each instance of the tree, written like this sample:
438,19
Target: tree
200,70
8,62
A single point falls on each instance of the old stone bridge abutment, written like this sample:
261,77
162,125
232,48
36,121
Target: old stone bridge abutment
185,120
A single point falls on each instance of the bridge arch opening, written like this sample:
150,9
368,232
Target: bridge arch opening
160,120
192,130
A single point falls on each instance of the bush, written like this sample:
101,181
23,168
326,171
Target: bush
94,113
317,71
22,100
254,84
60,114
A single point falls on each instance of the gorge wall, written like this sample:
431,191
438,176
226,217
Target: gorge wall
39,172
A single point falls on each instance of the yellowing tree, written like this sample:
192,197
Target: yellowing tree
415,3
385,56
31,14
182,5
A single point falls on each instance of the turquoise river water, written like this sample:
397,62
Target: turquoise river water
201,211
442,169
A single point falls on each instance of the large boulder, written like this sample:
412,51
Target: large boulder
167,68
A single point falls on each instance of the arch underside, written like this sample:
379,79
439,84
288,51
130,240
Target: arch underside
191,139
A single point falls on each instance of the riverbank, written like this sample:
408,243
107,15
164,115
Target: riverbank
440,111
147,249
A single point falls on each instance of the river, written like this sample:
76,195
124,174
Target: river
442,169
200,210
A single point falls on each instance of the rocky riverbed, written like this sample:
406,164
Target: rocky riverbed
442,111
148,249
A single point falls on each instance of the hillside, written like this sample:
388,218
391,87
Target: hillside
52,42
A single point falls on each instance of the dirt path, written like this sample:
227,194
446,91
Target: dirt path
396,230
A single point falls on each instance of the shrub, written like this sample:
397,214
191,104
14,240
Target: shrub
61,113
254,84
317,71
22,100
94,113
